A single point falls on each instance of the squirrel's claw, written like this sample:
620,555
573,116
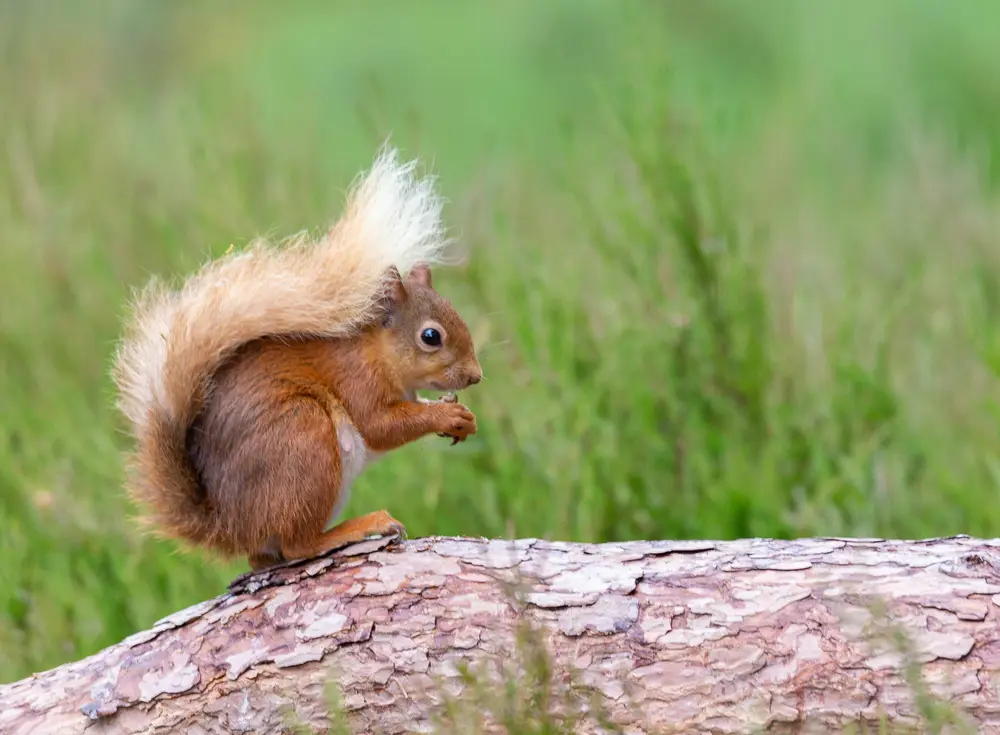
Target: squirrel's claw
454,439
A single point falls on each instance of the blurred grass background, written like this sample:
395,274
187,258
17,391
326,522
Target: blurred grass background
733,266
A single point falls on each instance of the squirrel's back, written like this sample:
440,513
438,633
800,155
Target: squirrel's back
175,340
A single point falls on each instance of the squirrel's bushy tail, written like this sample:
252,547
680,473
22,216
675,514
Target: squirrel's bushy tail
175,340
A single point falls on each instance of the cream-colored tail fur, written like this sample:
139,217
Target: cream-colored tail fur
175,340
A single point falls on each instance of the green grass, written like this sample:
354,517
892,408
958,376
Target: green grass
733,267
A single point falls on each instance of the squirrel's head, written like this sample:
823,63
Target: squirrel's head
431,342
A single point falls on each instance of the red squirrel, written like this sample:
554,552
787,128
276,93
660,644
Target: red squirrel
259,390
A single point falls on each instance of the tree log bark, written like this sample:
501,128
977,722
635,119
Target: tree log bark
711,637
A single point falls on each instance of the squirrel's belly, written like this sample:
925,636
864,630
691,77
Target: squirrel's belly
354,457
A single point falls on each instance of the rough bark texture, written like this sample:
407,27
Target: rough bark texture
712,637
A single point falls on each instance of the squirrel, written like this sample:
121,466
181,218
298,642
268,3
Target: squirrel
258,391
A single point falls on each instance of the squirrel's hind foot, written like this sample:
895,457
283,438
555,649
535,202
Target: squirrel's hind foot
352,531
345,533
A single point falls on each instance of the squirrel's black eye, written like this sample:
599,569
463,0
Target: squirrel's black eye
431,337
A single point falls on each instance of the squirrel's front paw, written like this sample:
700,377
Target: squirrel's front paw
456,422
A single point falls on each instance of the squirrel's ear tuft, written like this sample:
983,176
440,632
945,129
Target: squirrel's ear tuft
421,275
392,292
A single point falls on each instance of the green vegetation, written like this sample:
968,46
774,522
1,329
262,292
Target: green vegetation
733,266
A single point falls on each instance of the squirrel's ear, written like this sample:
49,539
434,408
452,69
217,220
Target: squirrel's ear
393,292
420,274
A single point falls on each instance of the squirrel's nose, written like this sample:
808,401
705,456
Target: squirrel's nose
474,378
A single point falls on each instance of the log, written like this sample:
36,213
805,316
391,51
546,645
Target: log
809,635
